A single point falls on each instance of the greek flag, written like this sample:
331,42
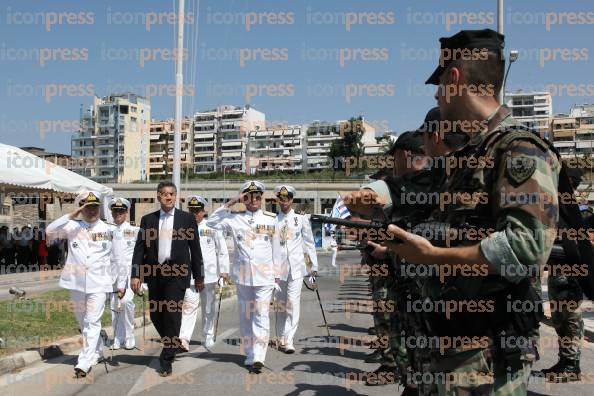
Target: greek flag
338,210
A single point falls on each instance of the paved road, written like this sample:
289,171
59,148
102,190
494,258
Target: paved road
321,366
32,282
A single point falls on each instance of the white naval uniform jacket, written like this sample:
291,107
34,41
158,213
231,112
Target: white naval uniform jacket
293,239
252,233
124,239
215,256
91,266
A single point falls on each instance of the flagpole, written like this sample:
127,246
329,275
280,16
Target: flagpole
179,81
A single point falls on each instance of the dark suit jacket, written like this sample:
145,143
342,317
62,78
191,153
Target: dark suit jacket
185,249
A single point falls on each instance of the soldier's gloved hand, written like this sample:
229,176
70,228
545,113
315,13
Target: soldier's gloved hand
379,252
135,285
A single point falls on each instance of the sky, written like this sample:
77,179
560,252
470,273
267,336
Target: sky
296,61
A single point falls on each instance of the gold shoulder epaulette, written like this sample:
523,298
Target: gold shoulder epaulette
271,214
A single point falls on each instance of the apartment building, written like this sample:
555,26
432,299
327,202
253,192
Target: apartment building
532,109
162,145
320,135
112,145
573,133
281,148
220,137
63,160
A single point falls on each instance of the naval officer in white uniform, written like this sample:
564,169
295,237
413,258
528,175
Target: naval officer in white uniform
89,273
254,270
122,309
293,240
215,257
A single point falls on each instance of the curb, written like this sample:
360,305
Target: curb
23,359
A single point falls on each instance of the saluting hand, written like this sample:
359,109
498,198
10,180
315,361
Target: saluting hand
233,201
74,215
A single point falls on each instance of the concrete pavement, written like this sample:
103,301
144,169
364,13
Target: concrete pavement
321,366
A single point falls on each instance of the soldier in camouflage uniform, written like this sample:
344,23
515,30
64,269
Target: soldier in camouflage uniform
486,348
568,323
386,193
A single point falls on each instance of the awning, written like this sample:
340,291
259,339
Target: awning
22,171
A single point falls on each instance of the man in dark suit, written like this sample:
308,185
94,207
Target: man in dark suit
166,250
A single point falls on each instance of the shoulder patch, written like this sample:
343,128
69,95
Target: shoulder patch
300,212
520,169
269,213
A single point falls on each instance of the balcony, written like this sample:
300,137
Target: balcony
106,165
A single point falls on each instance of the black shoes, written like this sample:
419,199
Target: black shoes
165,371
80,373
257,367
565,370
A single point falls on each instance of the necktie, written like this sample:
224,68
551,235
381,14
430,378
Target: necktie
163,240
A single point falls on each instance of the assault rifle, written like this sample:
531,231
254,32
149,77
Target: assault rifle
435,232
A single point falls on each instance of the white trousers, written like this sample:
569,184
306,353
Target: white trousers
334,254
207,299
289,303
122,319
88,309
254,322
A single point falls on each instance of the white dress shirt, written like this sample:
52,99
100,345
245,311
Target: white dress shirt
165,234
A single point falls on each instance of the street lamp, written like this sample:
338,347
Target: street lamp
513,56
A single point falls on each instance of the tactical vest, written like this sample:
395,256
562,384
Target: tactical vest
493,292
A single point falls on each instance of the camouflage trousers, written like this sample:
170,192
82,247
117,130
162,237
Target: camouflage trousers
379,295
397,348
566,315
479,372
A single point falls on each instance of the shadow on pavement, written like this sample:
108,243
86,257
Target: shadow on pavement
334,390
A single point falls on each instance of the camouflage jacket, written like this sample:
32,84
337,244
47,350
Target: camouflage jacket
513,198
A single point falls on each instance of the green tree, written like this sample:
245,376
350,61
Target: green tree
350,144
